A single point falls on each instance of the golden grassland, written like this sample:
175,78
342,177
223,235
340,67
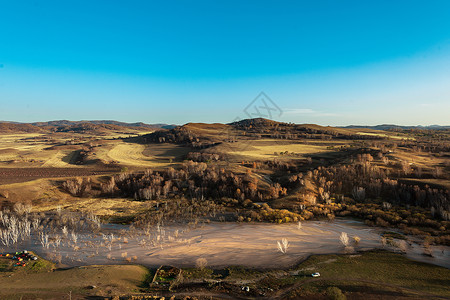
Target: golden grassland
27,149
155,155
424,160
386,135
261,151
34,150
269,149
41,191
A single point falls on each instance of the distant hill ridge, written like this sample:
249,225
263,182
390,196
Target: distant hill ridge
10,125
393,127
256,122
6,127
85,125
102,122
96,126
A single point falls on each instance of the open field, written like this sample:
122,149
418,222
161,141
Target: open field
15,175
40,192
51,149
265,149
146,156
418,159
367,275
75,283
130,155
126,154
383,274
385,134
37,157
18,150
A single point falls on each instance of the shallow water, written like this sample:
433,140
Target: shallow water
221,244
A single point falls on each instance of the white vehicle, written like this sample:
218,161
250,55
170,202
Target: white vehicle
317,274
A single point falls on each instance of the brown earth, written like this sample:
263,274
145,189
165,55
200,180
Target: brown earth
10,175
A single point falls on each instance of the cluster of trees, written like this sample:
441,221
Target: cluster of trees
80,187
426,145
178,135
179,210
267,128
418,144
84,156
16,224
193,180
314,134
204,157
414,220
403,168
275,164
364,180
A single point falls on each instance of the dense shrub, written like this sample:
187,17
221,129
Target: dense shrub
335,293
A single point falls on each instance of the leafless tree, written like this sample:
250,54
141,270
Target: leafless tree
201,263
359,193
283,245
344,239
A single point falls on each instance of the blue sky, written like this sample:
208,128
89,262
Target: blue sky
324,62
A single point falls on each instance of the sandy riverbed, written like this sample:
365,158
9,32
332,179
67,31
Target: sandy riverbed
221,244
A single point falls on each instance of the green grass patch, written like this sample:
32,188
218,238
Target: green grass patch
237,272
275,282
379,267
197,273
41,265
335,293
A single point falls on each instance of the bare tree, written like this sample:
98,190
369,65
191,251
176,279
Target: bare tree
359,193
283,245
201,263
43,238
344,239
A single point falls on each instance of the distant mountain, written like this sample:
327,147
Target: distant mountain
66,125
78,126
393,127
256,122
103,122
11,127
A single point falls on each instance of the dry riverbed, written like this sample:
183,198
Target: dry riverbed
221,244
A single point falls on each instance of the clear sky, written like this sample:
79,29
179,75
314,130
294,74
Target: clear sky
324,62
